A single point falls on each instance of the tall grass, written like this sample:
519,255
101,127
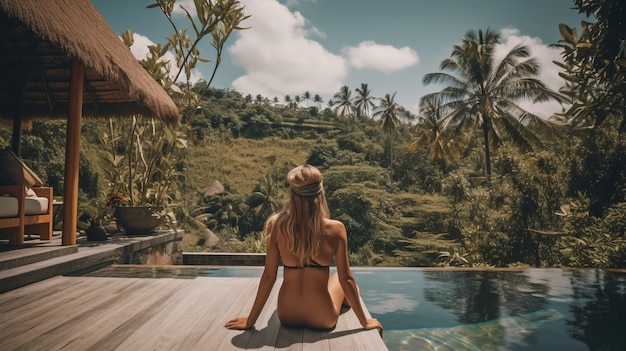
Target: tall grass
240,163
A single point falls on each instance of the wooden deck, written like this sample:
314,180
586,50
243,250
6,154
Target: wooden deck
96,313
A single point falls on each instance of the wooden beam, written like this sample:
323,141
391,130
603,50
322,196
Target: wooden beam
72,153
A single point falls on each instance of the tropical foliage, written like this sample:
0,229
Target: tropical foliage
473,181
482,93
145,157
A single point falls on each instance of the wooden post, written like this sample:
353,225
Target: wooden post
72,153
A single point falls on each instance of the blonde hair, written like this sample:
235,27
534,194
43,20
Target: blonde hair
301,221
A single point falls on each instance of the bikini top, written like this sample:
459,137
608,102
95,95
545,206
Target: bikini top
313,264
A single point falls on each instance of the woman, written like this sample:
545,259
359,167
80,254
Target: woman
306,240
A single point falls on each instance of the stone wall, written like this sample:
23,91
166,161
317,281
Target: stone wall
166,248
223,259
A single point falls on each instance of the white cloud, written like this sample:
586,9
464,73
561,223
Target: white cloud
140,46
278,56
139,49
317,32
292,3
187,4
549,73
385,58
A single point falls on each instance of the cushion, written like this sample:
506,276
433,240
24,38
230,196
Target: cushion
33,206
36,206
13,171
8,207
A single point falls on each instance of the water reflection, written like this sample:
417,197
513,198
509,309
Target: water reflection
499,334
537,309
598,309
476,297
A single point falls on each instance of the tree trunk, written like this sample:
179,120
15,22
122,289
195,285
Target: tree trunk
487,156
390,158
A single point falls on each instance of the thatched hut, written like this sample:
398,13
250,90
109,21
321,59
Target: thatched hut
62,60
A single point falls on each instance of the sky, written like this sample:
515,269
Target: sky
317,46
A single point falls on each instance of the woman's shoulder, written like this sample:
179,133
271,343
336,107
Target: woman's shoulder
334,227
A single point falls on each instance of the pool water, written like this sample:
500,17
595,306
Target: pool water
424,309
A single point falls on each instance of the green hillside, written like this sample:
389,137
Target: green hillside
240,163
401,206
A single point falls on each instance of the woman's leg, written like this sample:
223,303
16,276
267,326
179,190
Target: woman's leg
336,292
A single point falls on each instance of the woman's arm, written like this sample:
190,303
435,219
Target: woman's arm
265,288
347,281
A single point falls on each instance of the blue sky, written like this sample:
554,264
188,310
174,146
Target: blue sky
317,46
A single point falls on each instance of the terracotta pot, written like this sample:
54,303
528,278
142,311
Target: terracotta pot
137,220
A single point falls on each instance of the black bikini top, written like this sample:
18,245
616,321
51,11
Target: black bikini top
313,264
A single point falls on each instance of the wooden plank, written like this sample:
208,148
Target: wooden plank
315,340
349,334
108,328
100,313
57,327
30,319
9,222
290,339
264,336
14,299
63,334
209,325
239,304
268,326
193,314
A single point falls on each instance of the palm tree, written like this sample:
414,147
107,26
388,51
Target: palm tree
483,94
388,112
227,215
288,100
306,96
573,128
406,116
297,101
342,103
318,100
363,102
440,143
268,196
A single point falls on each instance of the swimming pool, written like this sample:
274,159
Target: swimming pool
434,309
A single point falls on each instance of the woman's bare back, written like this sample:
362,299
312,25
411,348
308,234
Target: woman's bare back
304,298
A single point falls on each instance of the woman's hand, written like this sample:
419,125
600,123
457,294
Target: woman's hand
238,323
373,323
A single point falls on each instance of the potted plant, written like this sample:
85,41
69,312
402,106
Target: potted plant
95,231
145,157
133,219
142,172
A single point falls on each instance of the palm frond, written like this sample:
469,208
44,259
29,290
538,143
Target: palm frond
444,79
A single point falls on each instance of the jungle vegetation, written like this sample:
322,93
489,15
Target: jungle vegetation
472,179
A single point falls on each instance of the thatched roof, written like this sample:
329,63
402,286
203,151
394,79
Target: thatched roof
38,40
